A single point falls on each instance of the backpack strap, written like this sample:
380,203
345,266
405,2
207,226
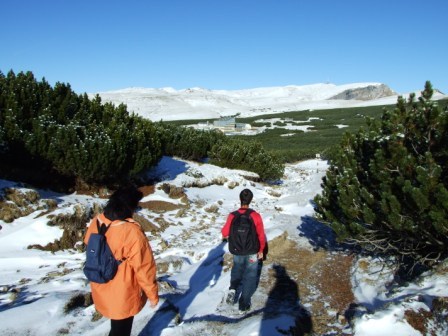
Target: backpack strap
112,223
247,212
102,229
236,213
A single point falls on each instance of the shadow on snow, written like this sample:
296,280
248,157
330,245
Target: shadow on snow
320,236
176,305
283,312
24,297
167,169
283,308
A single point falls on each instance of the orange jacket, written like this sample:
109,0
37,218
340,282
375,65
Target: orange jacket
135,282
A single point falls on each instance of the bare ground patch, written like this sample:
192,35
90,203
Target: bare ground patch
161,206
322,278
147,190
157,206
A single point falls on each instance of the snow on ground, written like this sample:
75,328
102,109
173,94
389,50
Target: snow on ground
36,285
197,103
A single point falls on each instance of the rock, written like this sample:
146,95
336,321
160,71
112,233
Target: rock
366,93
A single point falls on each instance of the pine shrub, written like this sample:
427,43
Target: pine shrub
51,133
386,189
247,155
56,132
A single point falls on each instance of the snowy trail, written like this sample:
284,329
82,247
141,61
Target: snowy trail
201,291
36,285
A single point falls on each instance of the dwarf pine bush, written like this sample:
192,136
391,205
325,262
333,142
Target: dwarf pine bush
53,131
387,187
247,155
50,132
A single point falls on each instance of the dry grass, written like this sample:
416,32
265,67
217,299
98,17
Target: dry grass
160,206
418,320
322,277
147,190
432,322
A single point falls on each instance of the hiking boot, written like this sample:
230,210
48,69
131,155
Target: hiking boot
243,309
231,297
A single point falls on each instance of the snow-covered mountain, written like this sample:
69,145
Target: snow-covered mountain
198,103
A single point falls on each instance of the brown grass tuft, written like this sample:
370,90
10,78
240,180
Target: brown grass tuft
160,206
323,279
418,319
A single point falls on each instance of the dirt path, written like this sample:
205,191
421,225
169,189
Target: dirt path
322,280
313,285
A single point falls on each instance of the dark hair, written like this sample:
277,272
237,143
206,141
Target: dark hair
246,197
122,203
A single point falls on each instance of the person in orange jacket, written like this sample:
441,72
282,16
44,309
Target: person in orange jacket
135,283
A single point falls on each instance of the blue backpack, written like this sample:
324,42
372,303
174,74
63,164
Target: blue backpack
101,265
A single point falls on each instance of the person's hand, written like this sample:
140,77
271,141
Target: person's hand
154,304
260,255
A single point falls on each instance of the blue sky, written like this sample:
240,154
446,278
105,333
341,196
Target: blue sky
101,45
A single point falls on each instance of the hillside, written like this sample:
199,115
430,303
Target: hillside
198,103
309,284
307,281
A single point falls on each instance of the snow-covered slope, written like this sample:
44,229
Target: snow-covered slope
198,103
37,287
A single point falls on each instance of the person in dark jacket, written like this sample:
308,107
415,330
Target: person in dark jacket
245,269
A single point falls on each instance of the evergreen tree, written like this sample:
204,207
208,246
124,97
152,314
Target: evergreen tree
387,188
3,142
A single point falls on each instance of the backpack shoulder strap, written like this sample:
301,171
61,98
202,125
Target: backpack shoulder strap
102,229
248,215
236,213
248,211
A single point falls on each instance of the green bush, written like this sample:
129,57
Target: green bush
54,133
387,186
245,155
186,142
67,134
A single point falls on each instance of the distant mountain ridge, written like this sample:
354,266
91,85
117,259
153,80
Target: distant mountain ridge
365,93
198,103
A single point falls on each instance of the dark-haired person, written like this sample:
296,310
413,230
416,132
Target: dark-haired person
135,283
245,269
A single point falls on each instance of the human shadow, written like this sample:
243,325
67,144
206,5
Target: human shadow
172,311
283,308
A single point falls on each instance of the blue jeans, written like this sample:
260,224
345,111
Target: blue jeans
245,274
